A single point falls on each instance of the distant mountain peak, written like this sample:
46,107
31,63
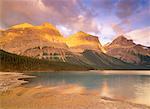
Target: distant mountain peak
23,25
80,34
49,25
120,38
122,41
83,36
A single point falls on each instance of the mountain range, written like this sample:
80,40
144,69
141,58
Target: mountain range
46,43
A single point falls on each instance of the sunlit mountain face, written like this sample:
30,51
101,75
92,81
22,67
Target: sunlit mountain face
44,36
81,41
103,18
30,36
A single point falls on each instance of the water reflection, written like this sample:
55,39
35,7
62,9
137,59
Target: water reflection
105,90
135,88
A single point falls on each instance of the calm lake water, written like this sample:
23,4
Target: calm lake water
127,85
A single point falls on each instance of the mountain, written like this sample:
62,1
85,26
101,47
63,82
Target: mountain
19,38
46,47
81,41
126,50
46,42
41,42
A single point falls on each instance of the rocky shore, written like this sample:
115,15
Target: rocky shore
10,80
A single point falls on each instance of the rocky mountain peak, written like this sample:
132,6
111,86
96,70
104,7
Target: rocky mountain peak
83,41
122,41
23,25
48,25
81,34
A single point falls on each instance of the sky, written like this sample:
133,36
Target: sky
103,18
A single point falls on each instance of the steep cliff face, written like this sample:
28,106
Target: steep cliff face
81,41
127,50
19,38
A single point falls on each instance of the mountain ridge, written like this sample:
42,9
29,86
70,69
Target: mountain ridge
46,42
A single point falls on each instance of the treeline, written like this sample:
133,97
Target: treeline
13,62
145,60
105,62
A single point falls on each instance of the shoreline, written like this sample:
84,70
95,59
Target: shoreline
95,71
124,72
10,80
78,70
65,97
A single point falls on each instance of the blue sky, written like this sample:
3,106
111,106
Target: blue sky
104,18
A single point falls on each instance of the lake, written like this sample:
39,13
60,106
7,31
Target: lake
131,86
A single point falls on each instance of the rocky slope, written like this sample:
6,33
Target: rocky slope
128,51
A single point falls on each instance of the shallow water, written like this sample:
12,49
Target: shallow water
131,86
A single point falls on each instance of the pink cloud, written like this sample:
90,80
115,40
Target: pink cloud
58,12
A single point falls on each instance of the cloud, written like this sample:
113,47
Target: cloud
140,36
65,31
122,27
106,5
91,16
72,14
127,12
118,29
126,8
19,11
